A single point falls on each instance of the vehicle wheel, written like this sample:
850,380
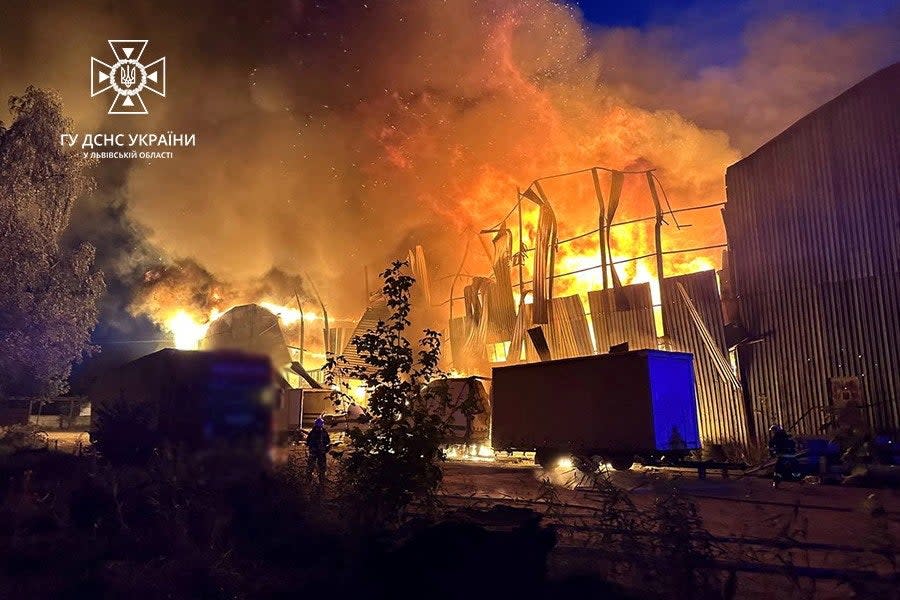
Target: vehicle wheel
620,463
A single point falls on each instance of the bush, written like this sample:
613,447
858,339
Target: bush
399,454
662,549
15,438
123,432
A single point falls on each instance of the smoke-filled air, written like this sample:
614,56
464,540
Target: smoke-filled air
335,136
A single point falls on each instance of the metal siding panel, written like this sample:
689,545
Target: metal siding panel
376,312
813,222
720,406
569,334
623,315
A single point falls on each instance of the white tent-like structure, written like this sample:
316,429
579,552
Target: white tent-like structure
249,328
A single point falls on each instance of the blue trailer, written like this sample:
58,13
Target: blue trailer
639,404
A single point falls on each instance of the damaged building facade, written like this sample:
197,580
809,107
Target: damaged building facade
686,316
802,321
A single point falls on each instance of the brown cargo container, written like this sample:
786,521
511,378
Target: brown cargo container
616,406
196,398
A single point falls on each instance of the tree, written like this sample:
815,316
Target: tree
397,458
48,295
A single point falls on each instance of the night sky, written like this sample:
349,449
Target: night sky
714,28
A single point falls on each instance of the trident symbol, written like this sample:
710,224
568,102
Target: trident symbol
128,75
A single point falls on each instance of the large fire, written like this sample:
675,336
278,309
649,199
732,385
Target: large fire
632,244
577,265
438,160
188,329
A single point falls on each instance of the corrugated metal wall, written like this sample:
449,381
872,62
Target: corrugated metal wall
623,315
720,404
378,311
813,221
567,334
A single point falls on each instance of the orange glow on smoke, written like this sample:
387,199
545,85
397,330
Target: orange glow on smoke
188,329
467,163
529,101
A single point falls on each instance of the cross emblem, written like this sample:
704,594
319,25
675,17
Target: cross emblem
128,77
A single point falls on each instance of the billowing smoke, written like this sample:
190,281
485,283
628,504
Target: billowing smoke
336,135
185,285
789,65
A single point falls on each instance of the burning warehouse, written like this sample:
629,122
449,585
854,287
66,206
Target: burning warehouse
228,370
616,303
813,224
799,328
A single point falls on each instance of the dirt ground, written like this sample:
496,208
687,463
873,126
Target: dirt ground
819,527
67,441
823,527
734,506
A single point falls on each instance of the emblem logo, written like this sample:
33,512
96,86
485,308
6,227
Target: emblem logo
128,77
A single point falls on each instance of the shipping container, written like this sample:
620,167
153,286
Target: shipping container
615,406
194,398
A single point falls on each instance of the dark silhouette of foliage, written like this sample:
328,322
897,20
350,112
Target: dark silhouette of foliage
397,458
124,433
222,527
48,297
664,548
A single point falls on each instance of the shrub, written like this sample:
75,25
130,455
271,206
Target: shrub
396,459
21,437
123,432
